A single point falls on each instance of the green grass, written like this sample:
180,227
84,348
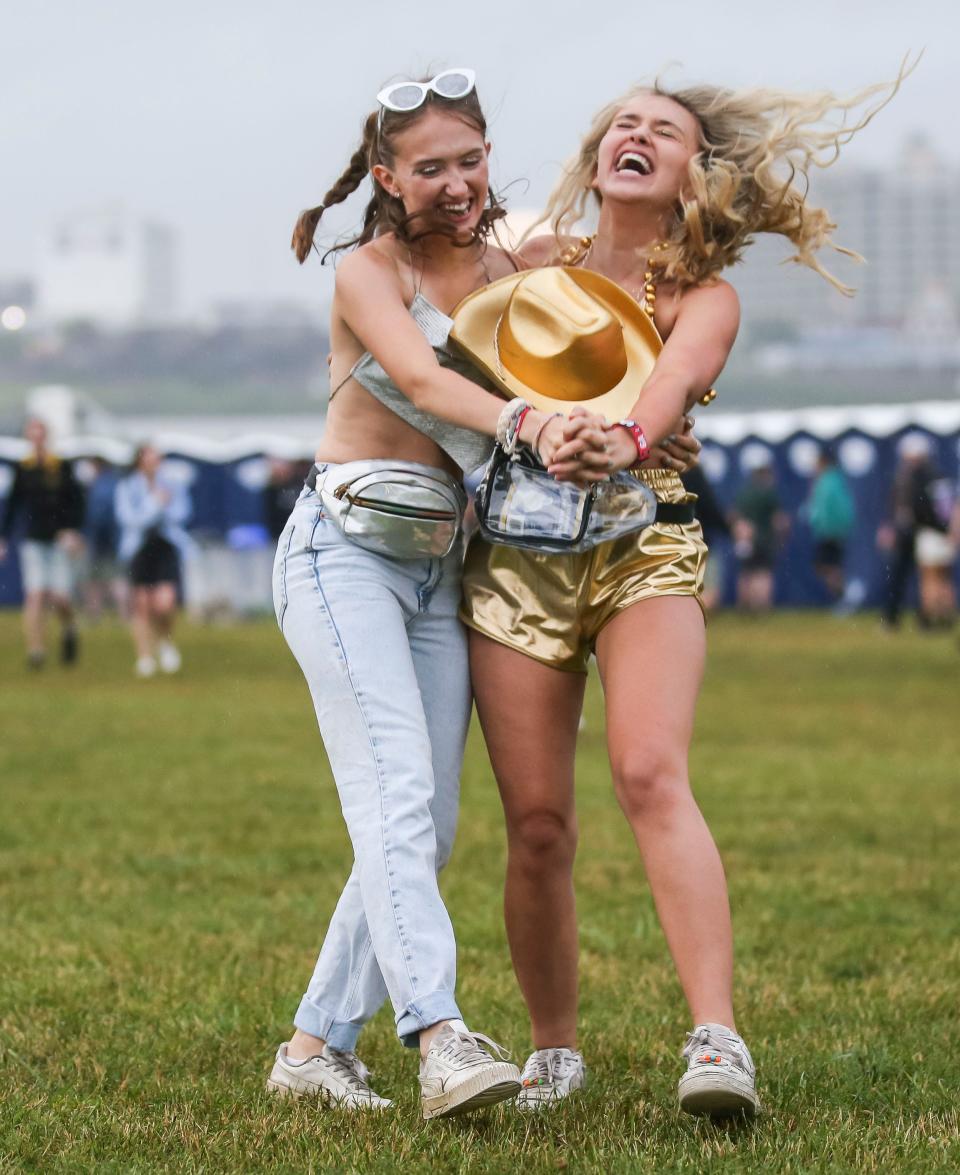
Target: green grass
170,851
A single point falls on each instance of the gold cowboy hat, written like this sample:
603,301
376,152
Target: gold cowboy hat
557,337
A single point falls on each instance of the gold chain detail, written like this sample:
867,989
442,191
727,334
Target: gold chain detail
647,294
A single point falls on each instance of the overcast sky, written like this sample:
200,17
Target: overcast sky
226,117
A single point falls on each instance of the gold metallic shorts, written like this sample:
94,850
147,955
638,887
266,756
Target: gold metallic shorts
552,607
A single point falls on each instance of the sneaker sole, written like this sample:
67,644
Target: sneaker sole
497,1083
717,1097
534,1105
320,1094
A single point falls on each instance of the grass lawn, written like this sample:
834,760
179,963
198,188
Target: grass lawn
170,851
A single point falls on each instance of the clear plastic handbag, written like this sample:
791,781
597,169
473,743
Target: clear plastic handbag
518,503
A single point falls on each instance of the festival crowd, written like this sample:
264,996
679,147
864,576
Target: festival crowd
115,540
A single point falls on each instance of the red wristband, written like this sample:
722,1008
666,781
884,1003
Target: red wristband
636,432
520,419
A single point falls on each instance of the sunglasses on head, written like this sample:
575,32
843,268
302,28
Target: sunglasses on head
451,84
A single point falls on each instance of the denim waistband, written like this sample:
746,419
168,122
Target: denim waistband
376,465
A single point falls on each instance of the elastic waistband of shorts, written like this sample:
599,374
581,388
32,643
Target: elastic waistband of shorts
665,483
659,479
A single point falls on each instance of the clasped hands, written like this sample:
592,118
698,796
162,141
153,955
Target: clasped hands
586,448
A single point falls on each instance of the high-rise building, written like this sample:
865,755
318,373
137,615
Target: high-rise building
904,219
107,267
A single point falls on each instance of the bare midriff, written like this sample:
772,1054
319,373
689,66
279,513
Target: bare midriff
359,428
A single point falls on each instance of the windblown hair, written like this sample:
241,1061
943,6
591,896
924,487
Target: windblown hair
750,176
385,213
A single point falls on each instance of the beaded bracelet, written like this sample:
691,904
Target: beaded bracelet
509,422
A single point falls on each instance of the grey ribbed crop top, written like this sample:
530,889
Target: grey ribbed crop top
468,448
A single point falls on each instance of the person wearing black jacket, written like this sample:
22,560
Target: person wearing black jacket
914,512
48,498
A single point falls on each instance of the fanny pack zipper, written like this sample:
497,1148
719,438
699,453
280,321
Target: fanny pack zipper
391,507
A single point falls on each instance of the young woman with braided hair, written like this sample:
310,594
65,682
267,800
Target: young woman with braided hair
682,180
367,587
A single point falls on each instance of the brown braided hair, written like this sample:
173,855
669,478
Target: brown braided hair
385,213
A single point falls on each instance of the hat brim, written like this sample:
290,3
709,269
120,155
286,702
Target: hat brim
475,322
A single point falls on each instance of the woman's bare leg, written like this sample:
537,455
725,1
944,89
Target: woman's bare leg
34,611
140,622
529,714
163,608
651,660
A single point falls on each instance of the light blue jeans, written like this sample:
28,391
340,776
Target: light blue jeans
385,658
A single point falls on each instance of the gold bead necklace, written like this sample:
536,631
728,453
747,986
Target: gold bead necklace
646,295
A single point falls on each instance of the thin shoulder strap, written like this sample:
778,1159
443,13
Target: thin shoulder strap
413,273
346,379
486,272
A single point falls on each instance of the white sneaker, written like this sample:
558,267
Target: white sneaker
168,655
719,1080
336,1078
548,1076
458,1074
145,667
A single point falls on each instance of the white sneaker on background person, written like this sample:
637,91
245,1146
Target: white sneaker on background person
168,656
549,1076
334,1077
458,1074
720,1076
145,667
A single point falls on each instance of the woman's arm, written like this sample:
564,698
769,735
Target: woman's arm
370,301
178,508
136,508
692,358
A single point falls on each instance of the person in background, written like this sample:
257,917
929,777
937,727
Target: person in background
50,499
715,525
954,530
935,549
759,527
831,514
105,585
280,494
916,507
152,511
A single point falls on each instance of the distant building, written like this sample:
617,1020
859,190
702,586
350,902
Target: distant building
903,219
109,268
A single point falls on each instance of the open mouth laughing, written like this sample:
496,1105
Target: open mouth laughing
458,211
635,161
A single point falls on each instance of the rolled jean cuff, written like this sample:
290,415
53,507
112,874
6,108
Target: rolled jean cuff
317,1021
420,1014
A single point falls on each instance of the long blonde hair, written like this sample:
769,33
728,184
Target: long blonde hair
750,176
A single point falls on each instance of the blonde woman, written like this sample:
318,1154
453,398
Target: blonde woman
683,181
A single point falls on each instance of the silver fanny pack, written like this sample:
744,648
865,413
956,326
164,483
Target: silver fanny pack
394,508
